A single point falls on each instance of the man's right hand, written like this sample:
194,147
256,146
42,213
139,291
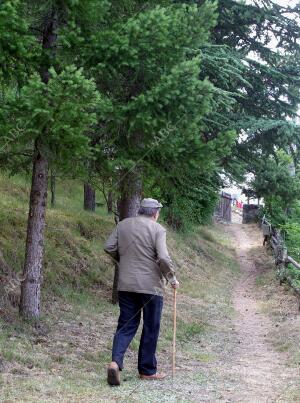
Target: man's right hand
175,284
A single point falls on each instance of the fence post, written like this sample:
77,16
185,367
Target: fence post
281,256
281,261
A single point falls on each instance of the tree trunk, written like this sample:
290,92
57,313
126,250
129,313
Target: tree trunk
32,272
110,202
89,202
131,191
128,206
52,188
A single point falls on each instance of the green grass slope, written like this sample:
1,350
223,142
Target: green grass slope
64,359
74,256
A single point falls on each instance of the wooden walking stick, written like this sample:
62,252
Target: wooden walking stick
174,332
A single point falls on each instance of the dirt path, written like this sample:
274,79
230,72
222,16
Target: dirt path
263,373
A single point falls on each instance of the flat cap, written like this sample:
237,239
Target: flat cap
152,203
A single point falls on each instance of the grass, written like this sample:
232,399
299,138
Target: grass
64,360
74,238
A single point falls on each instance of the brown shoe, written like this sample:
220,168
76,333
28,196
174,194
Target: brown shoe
154,377
113,374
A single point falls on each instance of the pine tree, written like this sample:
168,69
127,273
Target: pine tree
149,68
61,103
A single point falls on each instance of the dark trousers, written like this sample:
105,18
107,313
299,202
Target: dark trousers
131,305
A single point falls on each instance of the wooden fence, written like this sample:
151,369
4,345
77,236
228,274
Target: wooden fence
273,237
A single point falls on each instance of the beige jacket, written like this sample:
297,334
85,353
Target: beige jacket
139,244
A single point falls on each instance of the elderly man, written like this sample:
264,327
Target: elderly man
139,245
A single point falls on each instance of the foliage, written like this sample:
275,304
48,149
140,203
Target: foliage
194,206
183,91
191,182
256,92
17,46
292,240
269,92
268,103
151,68
61,111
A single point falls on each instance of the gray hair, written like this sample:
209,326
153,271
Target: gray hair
148,211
